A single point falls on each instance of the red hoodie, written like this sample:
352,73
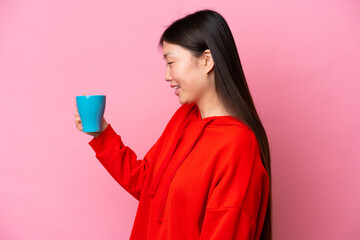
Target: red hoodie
202,179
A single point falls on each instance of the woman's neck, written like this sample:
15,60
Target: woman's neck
212,107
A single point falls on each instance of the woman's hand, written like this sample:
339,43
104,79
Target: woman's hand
78,123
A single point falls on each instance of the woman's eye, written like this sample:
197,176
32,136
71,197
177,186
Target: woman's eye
169,63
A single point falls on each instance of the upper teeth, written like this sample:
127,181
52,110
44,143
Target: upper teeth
177,86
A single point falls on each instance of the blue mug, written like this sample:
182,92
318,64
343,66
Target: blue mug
91,109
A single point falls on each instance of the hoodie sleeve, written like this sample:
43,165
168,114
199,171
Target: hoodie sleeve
121,161
233,205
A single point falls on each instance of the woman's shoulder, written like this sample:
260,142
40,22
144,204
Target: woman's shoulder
237,139
236,133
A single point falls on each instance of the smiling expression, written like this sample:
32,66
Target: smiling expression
186,71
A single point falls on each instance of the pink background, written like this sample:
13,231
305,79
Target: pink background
301,61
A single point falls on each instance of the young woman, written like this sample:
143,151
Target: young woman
208,175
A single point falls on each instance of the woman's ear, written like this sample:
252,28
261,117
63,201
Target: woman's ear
209,61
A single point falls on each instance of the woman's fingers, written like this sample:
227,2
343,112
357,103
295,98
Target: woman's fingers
77,116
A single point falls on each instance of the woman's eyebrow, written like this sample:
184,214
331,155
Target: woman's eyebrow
166,54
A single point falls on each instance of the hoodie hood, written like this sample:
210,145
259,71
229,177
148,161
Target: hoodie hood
175,129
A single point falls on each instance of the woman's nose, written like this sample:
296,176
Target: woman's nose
168,76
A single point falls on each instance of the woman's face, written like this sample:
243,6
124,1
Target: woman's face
187,71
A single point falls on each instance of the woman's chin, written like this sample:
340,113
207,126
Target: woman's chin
184,101
181,101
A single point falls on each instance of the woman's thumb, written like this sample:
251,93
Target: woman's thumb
84,94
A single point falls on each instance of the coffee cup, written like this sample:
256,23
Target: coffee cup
91,109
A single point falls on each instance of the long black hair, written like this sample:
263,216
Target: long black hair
207,29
